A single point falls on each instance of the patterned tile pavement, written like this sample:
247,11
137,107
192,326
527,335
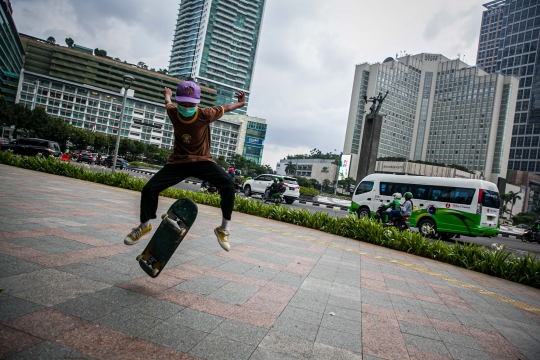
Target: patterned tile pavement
71,289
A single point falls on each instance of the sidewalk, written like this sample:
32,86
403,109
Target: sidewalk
72,289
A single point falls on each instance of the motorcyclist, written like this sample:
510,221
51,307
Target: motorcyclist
231,173
407,206
276,187
392,208
238,178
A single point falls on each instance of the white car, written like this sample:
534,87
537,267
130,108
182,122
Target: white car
261,182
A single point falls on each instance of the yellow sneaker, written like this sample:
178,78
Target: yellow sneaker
223,238
136,234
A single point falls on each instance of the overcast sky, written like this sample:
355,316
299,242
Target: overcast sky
307,52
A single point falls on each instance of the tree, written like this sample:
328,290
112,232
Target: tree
19,116
69,42
142,65
347,183
100,52
513,196
325,184
51,40
117,59
290,169
221,161
163,71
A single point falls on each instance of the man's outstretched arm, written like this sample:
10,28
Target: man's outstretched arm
241,96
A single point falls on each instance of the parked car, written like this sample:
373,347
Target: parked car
88,157
119,162
261,182
32,147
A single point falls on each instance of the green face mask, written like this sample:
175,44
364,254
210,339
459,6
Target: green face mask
186,111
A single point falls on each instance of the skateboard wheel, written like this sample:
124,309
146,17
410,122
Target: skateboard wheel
139,257
155,272
182,232
164,216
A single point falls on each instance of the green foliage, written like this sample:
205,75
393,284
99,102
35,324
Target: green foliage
524,218
314,154
308,192
100,52
70,42
142,164
496,262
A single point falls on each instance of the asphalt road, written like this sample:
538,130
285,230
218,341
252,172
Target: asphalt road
512,244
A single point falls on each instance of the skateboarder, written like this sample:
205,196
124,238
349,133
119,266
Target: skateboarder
191,157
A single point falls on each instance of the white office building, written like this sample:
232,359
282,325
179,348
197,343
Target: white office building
96,109
438,110
215,43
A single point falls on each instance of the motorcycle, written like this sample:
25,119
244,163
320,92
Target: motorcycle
276,198
238,188
530,236
400,223
208,188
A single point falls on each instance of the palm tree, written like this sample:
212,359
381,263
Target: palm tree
325,184
513,197
290,169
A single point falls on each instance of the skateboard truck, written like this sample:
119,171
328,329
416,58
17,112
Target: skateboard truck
176,223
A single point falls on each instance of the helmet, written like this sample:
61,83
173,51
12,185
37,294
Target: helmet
397,196
231,170
275,180
281,178
408,195
238,172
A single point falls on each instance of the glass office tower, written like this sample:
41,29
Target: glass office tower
215,44
11,53
509,43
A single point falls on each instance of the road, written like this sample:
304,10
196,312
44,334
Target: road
512,244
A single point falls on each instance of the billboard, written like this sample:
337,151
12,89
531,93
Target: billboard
345,166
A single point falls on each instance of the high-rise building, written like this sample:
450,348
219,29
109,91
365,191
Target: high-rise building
252,132
215,43
437,110
509,44
11,53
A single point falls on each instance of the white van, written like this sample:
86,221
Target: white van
442,206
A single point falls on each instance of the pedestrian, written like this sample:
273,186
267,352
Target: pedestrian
191,157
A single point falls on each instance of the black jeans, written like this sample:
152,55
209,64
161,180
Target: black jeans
172,174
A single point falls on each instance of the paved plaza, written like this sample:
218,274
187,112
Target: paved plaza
72,289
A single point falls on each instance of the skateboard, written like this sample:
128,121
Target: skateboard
174,226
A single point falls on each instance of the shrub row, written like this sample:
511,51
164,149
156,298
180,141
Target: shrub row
496,262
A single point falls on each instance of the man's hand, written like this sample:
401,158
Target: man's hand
241,96
167,93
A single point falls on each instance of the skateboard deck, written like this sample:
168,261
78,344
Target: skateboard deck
174,226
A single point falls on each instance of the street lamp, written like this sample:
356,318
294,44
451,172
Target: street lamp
128,80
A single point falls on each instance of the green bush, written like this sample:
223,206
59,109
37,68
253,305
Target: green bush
308,192
141,164
496,262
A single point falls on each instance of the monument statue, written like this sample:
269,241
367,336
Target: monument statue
374,109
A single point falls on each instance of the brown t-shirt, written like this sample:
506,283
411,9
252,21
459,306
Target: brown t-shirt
192,135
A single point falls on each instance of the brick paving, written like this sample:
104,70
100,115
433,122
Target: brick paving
71,289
